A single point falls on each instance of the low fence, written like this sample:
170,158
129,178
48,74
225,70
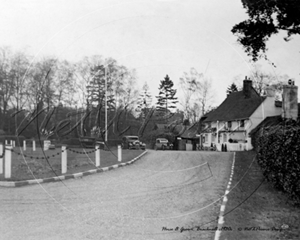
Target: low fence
228,147
232,147
7,150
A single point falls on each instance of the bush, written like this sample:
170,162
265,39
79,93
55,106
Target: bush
278,154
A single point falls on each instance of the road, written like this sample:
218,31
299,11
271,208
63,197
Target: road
147,200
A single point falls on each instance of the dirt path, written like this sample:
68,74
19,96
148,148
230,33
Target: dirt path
147,200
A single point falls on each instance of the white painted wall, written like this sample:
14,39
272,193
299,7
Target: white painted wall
266,109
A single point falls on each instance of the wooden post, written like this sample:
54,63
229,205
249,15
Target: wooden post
33,145
7,172
24,145
1,158
119,153
97,152
64,159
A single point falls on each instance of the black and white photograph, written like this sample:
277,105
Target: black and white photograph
149,119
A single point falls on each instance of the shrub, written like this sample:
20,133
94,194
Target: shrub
278,154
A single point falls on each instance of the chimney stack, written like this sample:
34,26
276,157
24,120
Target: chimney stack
290,102
270,91
247,87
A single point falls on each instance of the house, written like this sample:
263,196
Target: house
190,137
236,117
290,109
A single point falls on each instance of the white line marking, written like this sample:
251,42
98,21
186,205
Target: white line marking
225,199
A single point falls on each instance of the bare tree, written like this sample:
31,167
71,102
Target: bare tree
19,79
41,85
198,94
261,79
205,94
190,84
6,87
65,83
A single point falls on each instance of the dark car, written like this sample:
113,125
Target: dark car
132,142
163,144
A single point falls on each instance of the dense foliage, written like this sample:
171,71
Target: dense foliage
266,18
278,154
231,88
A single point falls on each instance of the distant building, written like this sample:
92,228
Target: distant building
236,117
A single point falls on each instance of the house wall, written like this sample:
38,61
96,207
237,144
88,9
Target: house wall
266,109
237,136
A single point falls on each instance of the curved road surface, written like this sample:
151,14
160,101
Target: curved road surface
147,200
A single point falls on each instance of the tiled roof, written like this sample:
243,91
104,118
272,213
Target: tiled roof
267,122
190,131
235,107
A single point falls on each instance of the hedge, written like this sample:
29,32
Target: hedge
278,154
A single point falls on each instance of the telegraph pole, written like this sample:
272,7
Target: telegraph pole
105,104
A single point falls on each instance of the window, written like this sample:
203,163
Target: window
229,124
242,123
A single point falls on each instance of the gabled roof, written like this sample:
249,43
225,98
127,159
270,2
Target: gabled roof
267,122
190,132
236,106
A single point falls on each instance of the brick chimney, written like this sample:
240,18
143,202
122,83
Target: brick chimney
290,102
247,87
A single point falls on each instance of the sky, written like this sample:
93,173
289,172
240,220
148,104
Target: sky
155,37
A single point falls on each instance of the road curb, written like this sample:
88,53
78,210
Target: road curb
68,176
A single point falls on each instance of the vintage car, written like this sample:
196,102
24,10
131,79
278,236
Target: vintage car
52,146
132,142
162,144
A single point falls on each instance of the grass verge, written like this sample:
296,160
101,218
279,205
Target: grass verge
26,166
255,210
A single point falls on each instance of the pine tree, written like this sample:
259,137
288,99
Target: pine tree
144,102
166,100
96,92
232,88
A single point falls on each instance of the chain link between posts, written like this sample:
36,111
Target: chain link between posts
48,157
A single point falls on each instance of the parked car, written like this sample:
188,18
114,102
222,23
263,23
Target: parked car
86,142
51,146
132,142
163,144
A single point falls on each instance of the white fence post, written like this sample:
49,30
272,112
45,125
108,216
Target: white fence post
119,153
24,145
33,145
6,142
13,143
63,159
97,152
7,173
1,158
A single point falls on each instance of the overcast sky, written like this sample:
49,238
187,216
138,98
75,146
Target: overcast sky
155,37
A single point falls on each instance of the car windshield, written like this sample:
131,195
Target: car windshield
133,138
